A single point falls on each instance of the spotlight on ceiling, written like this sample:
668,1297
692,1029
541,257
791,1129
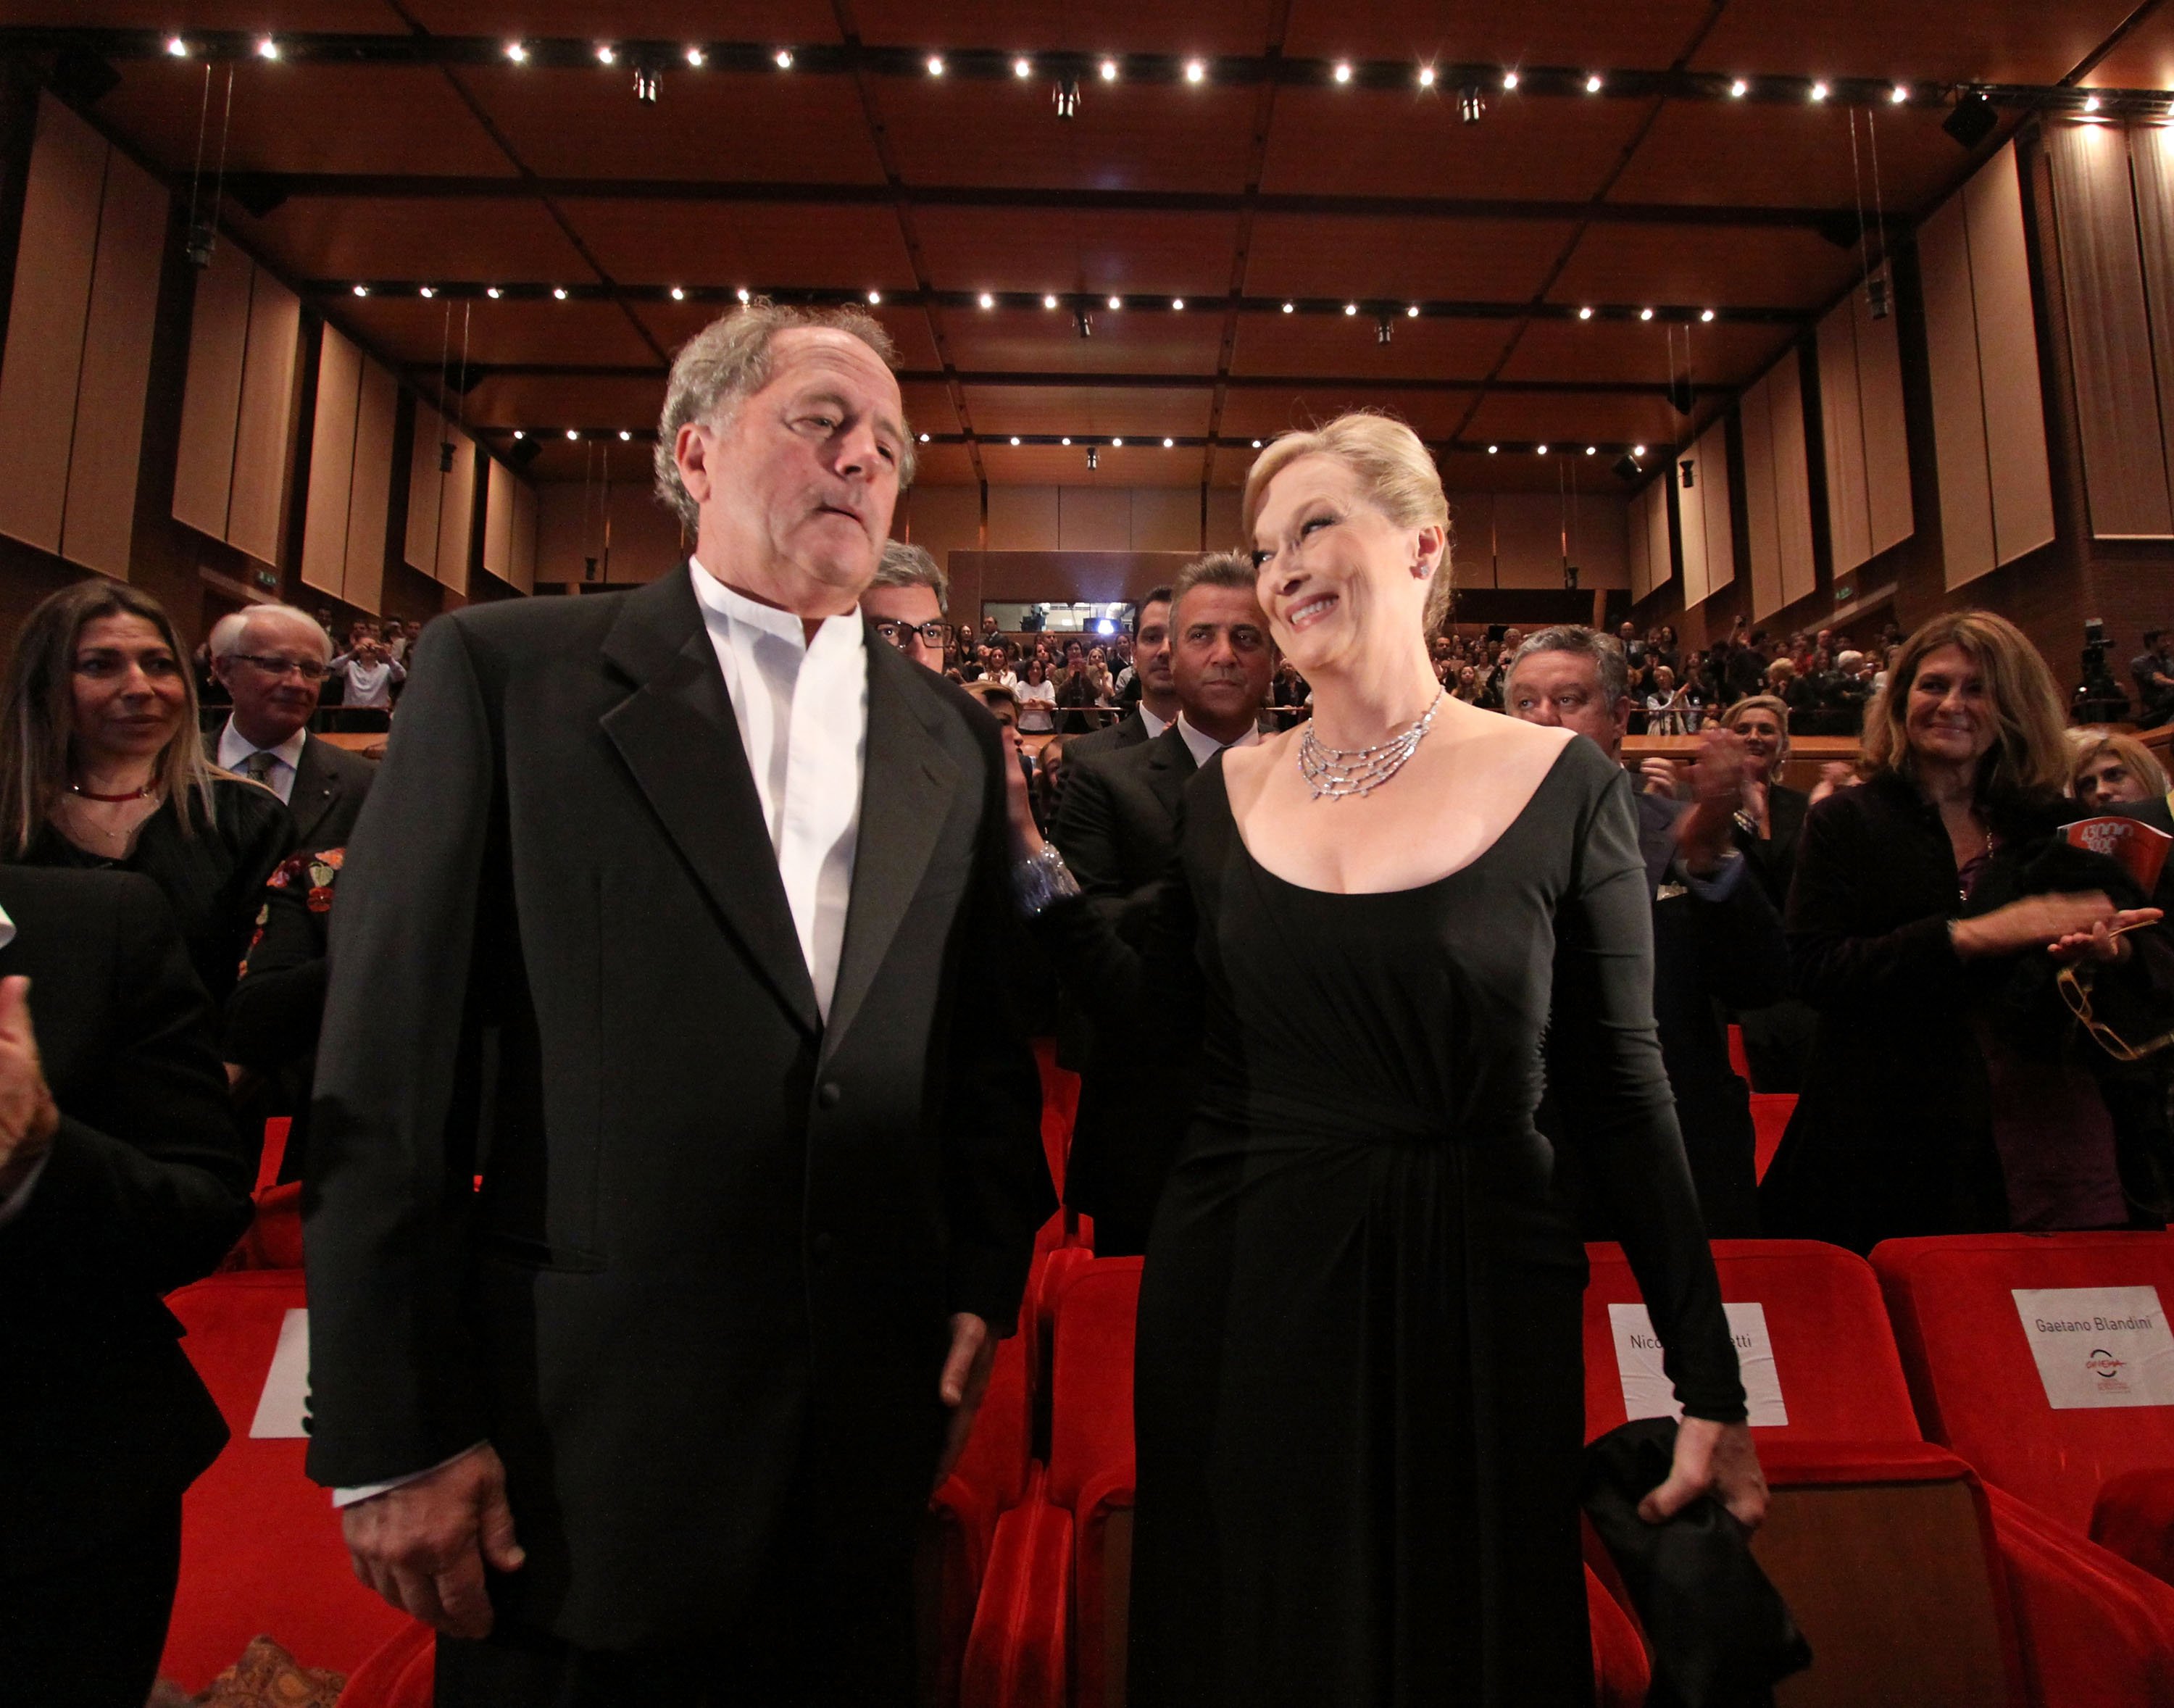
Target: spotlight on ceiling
648,81
1492,449
1637,450
1170,444
607,54
1091,458
1539,451
875,298
696,57
1591,449
1412,312
1350,308
1117,303
177,48
1022,69
625,437
1342,71
936,65
428,291
266,48
1196,71
362,290
492,292
1899,94
1739,88
1508,79
1083,323
1257,445
924,439
1109,71
1384,329
1707,315
1973,121
1471,105
2091,103
679,292
1066,439
1049,302
1627,467
571,434
985,300
1290,308
1015,438
1068,99
1820,91
559,293
745,294
1426,77
782,59
1585,314
518,53
1116,442
1177,305
1645,314
1592,83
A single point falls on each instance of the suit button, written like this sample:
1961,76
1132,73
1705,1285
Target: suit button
831,1095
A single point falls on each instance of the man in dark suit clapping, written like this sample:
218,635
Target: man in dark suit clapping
672,917
1118,831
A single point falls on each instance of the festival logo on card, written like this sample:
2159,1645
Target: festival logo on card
2098,1346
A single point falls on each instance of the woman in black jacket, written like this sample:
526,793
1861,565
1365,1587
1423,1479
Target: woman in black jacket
1948,1091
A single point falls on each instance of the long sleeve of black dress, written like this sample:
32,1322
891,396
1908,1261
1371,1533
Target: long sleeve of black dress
1605,1066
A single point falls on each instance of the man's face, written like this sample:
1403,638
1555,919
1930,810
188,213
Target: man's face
1562,690
796,490
901,615
272,697
1151,649
1221,659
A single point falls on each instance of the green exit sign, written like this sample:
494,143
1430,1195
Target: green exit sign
267,579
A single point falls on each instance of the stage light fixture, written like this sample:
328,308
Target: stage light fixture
1899,94
1492,449
1195,71
1707,315
1068,99
1591,450
1820,91
177,48
518,53
1539,451
1083,323
1592,83
679,294
1412,312
1350,308
1257,445
1177,305
745,294
1508,79
1015,438
648,84
1637,450
427,292
936,65
1022,69
1426,77
1973,121
695,57
1290,308
625,437
1384,329
1109,71
1090,459
266,48
362,290
492,292
571,434
924,439
2091,103
987,300
1170,444
1116,303
519,433
559,293
606,54
1471,105
1049,302
1739,88
875,298
1585,314
1645,314
1116,442
1344,71
782,59
1066,439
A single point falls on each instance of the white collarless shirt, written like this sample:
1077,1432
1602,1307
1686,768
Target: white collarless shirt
803,709
1204,747
234,747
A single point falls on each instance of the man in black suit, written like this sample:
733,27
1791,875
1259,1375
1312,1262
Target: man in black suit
1152,694
1118,831
1716,937
272,659
122,1177
677,916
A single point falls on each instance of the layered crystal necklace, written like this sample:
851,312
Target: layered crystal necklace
1335,774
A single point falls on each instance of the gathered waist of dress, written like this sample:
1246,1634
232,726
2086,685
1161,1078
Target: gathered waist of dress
1310,1117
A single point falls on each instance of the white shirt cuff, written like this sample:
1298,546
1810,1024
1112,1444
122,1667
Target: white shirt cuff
18,1201
370,1491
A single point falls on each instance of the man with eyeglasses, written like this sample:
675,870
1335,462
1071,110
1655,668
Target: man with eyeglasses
273,660
905,603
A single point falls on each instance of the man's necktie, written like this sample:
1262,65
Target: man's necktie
257,767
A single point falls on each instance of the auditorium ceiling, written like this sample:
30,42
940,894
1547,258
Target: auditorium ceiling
1258,212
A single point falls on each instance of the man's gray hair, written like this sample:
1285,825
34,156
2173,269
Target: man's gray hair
1605,652
225,640
912,566
1216,570
729,360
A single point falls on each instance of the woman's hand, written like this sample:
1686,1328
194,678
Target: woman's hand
1715,1459
2107,940
2041,921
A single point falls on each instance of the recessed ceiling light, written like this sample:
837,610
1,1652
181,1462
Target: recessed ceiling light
1066,439
1637,450
936,65
924,439
177,48
1539,451
1022,68
1707,314
571,434
1015,438
1290,308
679,294
875,297
560,292
428,291
519,433
1591,449
783,58
516,52
606,54
362,290
1049,302
1412,312
1492,449
1899,94
1257,445
745,295
1116,441
1508,79
1344,71
1350,308
1819,91
695,57
987,300
1645,314
1116,302
266,48
1592,83
1195,72
625,437
1585,314
1739,88
1426,77
1109,71
1177,305
492,292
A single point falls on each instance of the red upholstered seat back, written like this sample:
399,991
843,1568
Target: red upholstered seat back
261,1547
1839,1376
1092,1413
1974,1378
995,1461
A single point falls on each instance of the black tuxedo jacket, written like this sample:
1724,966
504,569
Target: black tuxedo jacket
717,1241
330,787
1118,831
145,1189
1130,731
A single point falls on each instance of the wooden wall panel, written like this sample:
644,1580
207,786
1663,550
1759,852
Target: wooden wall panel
1712,451
264,424
1660,559
1793,482
524,536
1024,518
1890,506
2125,469
1527,530
426,485
43,360
1842,415
1761,503
945,519
1224,506
108,454
1092,518
2021,480
1958,426
370,495
1691,527
2151,172
634,538
218,336
332,464
457,514
1641,543
498,519
1165,518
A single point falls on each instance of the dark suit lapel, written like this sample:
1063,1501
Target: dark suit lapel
678,737
315,792
908,785
1170,766
1657,836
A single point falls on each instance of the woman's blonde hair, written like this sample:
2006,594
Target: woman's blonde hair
1392,465
2085,745
37,714
2028,755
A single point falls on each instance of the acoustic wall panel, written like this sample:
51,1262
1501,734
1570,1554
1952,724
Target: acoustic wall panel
1690,523
1641,547
1958,425
219,338
332,464
524,536
43,360
106,455
1660,559
1165,518
1029,519
1712,454
1890,503
2022,480
264,424
426,492
1842,415
498,519
1528,529
2125,469
1757,417
1793,482
1089,518
456,513
369,497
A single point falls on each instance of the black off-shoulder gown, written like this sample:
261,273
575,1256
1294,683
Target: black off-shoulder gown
1359,1397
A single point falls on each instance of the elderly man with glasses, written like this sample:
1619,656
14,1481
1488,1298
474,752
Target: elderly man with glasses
274,659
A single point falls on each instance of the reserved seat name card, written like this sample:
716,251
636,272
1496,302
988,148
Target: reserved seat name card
1646,1390
2098,1346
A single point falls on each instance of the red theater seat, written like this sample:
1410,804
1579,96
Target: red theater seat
260,1547
2099,1468
401,1674
1770,1119
990,1478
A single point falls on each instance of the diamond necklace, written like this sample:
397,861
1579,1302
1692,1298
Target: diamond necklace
1335,774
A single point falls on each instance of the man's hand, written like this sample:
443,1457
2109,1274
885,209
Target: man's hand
1658,776
422,1546
28,1117
964,1379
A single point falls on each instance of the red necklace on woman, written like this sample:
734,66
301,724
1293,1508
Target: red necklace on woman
149,788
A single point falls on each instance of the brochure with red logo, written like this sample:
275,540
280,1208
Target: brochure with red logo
2139,848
